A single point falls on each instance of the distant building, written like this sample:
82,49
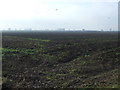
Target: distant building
15,29
28,29
9,29
110,29
61,29
46,29
83,29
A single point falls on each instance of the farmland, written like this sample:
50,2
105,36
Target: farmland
60,59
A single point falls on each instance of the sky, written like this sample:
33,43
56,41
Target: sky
54,14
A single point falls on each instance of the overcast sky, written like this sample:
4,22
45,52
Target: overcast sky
53,14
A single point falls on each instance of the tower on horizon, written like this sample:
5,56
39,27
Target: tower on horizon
9,29
110,29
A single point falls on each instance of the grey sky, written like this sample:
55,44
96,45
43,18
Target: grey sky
70,14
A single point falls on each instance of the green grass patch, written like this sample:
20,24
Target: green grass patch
118,53
20,50
42,40
9,50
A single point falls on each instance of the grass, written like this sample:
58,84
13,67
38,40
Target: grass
41,40
33,39
21,50
118,53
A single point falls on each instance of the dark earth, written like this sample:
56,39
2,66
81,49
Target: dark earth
81,59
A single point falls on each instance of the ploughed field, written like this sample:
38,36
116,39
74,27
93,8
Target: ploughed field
60,59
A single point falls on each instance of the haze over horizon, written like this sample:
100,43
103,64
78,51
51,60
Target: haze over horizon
53,14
